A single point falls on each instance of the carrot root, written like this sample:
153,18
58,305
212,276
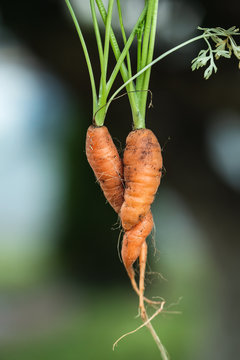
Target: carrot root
133,240
106,163
142,162
142,266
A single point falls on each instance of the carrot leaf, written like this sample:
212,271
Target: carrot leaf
224,44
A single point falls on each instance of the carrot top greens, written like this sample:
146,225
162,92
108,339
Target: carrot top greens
100,99
220,43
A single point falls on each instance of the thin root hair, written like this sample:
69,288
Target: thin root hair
147,322
118,245
165,143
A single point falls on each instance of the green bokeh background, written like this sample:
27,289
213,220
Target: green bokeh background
68,296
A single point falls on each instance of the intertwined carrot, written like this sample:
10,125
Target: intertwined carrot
142,163
141,176
134,240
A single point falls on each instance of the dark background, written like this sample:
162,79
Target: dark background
79,281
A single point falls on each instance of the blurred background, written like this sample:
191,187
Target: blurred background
64,293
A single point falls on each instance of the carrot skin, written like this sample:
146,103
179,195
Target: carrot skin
106,163
133,240
142,163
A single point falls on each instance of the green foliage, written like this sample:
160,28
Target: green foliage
225,46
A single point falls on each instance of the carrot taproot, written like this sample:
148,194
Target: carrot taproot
133,240
106,163
142,161
142,266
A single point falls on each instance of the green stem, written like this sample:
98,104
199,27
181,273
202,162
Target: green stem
145,85
85,51
124,53
145,43
124,72
139,47
138,125
100,48
147,31
107,34
103,93
113,39
124,38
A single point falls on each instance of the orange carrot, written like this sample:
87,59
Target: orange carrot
106,163
142,162
133,240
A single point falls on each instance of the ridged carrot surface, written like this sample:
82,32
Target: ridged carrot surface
133,240
142,163
106,163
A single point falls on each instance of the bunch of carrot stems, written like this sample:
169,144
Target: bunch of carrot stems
144,32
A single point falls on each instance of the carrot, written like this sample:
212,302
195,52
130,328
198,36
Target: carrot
142,162
133,241
106,163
